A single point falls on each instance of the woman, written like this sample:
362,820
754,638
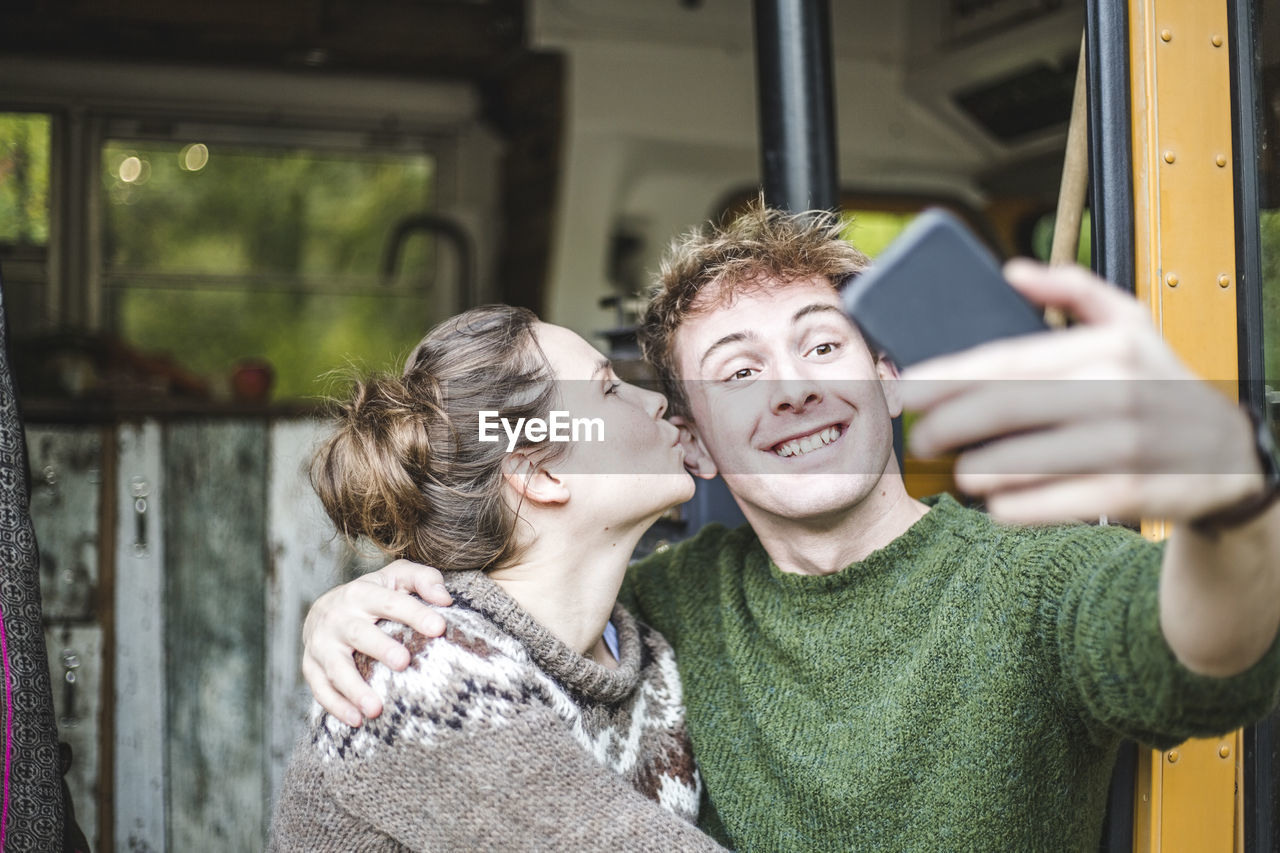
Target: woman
525,726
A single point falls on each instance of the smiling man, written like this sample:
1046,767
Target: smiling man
865,670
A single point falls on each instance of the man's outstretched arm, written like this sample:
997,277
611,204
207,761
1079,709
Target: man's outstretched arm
1103,419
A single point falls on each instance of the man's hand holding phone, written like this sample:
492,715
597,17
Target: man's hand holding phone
1099,419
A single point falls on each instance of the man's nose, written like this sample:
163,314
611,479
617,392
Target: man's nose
793,391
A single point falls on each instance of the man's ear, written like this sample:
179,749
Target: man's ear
889,379
532,482
696,458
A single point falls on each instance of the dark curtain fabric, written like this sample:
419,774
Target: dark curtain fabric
31,796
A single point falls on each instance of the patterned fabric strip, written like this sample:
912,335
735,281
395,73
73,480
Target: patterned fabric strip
32,812
8,727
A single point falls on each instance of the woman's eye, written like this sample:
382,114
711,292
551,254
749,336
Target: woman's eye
613,387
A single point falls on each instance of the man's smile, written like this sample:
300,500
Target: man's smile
803,443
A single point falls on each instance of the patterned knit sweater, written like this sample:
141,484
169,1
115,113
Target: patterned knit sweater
963,688
500,737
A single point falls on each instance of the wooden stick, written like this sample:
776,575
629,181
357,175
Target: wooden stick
1075,183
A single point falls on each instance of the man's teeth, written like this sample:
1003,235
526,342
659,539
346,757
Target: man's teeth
801,446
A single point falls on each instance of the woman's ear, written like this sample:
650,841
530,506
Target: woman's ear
889,379
532,482
697,460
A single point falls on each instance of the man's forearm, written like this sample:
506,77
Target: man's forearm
1220,595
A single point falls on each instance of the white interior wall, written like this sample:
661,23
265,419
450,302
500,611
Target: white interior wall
661,126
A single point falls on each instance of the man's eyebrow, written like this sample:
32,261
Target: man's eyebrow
736,337
733,338
815,308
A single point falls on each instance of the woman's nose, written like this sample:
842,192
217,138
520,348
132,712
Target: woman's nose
656,403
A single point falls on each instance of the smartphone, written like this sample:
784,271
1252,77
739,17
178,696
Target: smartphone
935,290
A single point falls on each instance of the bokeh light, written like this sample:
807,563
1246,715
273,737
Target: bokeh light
130,169
194,157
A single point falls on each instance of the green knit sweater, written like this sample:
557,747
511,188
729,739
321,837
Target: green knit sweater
963,688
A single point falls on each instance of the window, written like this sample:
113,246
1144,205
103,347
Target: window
1270,223
25,150
1267,53
215,253
1042,238
24,179
872,230
1262,769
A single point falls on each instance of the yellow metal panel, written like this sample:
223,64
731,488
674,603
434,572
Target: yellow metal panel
1196,196
1187,797
1198,793
1184,211
1184,221
1148,801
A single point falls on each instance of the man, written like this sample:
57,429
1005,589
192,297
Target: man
867,670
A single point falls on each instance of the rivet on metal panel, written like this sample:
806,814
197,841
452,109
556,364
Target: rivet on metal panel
1172,755
1171,279
1166,35
1217,40
1224,280
1221,160
1169,156
1224,751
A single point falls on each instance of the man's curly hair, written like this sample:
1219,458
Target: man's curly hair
710,266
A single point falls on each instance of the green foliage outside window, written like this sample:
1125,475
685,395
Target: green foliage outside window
24,179
219,253
1270,220
1042,238
872,230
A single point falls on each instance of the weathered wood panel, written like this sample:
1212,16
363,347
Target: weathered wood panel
75,673
305,561
215,587
66,466
66,482
307,557
139,770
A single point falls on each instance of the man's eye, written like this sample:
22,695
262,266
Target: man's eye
825,349
743,373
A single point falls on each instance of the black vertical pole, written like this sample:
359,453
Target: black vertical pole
1111,201
1110,126
797,113
1247,50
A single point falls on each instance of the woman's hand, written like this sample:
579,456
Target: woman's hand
342,622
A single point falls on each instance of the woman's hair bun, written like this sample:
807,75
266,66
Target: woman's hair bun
367,472
404,466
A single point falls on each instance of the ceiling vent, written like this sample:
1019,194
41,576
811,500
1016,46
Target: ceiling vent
1026,102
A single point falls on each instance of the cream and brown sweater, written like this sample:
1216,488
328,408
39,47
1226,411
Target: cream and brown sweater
500,737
